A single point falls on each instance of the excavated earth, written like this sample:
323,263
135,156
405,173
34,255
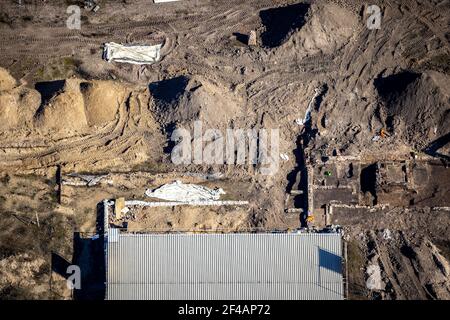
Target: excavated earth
62,105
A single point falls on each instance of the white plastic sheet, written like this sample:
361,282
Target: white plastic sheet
218,203
178,191
132,54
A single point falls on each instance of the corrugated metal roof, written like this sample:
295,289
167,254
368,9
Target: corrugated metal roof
225,266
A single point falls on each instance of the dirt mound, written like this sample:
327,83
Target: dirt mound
28,101
8,111
65,111
280,23
58,105
183,100
7,82
307,29
101,100
416,105
8,101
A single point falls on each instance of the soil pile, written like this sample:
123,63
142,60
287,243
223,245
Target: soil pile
65,111
76,105
182,101
68,114
315,28
61,105
102,100
8,111
7,82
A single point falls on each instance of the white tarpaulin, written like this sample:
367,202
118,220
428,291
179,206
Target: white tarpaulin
132,54
178,191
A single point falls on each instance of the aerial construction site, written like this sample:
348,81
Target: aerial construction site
221,124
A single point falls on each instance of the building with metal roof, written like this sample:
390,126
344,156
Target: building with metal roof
253,266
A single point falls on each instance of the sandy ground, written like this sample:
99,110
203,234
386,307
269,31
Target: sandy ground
61,104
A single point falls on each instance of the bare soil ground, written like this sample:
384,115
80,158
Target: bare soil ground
61,104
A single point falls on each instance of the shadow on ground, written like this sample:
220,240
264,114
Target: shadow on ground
89,255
